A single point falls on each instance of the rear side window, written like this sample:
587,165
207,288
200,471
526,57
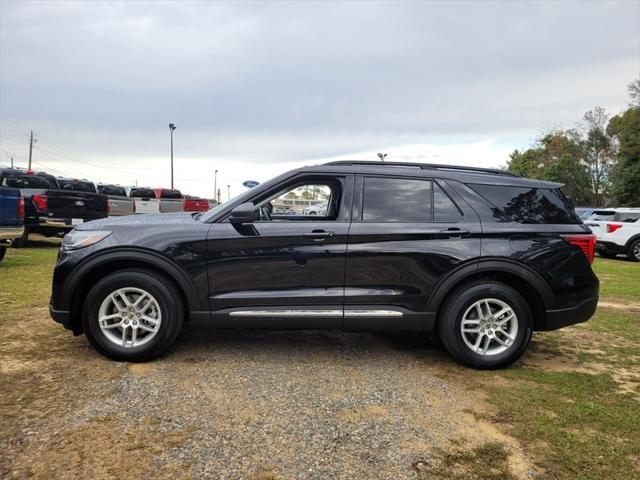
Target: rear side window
396,200
142,193
527,205
26,181
112,190
626,217
444,210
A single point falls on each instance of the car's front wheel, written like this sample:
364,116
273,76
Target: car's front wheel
133,315
485,324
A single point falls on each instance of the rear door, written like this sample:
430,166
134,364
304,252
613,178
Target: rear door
407,233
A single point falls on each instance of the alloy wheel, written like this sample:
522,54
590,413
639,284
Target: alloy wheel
489,327
129,317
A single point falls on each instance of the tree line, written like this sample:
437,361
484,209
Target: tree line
598,160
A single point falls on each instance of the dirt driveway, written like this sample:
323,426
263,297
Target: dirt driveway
236,405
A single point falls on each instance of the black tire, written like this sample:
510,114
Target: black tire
3,251
633,253
169,302
454,308
20,242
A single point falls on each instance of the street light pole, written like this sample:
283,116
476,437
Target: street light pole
172,127
228,192
215,185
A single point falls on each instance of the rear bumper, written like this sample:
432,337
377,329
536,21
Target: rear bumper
609,247
61,316
564,317
10,233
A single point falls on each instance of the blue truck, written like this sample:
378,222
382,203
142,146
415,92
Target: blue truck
11,217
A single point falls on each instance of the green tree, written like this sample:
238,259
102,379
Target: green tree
599,153
556,156
625,128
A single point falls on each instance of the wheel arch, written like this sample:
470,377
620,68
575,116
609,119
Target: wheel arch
524,279
94,268
631,241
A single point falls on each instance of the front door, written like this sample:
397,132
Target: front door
286,269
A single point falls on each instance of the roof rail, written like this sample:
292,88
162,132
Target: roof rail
425,166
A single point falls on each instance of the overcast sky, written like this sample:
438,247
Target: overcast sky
255,88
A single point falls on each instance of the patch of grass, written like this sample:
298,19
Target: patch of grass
619,278
619,322
25,277
486,462
592,432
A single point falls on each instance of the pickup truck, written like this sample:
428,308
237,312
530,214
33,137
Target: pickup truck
49,209
11,217
170,200
119,203
145,199
195,204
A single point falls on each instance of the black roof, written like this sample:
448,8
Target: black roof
463,174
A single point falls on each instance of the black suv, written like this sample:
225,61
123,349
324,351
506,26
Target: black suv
482,257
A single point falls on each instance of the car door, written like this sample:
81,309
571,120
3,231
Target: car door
407,233
282,271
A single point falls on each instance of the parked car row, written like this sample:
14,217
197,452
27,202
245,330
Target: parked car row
54,205
617,232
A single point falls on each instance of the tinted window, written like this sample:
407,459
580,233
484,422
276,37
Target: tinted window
527,205
170,194
26,181
112,190
76,186
142,193
444,210
626,217
396,200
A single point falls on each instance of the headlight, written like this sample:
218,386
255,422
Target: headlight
83,238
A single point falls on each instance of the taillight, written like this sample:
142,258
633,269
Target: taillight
40,202
612,227
585,242
20,207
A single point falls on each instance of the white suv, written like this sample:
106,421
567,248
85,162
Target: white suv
617,231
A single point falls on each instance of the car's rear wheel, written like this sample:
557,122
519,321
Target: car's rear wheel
485,324
634,251
607,254
133,315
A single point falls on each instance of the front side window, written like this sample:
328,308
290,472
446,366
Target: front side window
306,200
396,200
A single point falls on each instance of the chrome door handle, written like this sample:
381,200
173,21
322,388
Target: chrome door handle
318,234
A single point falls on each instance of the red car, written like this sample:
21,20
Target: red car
195,204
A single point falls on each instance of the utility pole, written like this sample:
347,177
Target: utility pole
172,127
11,162
228,192
215,183
30,148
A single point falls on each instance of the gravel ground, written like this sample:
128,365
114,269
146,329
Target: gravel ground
234,404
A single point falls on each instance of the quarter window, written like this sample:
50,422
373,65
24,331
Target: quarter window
396,200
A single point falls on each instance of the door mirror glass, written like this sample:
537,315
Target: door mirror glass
243,213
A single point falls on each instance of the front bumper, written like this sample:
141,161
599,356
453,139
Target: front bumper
564,317
61,316
11,233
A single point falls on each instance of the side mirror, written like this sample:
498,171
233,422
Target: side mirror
243,213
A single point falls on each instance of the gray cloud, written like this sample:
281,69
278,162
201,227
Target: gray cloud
303,80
